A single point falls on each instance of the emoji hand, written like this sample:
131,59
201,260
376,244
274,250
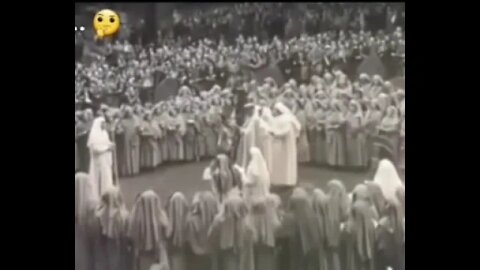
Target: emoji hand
100,34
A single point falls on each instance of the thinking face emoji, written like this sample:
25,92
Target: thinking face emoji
106,23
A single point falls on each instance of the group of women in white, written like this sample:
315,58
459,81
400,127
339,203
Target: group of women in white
241,225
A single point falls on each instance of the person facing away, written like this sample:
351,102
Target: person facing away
202,211
336,213
257,184
285,128
177,208
148,227
224,177
390,236
265,221
303,236
101,162
359,236
232,235
86,200
112,217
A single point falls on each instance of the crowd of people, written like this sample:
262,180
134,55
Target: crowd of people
262,87
241,225
126,69
342,124
266,20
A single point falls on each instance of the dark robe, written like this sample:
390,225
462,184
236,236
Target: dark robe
129,160
356,143
83,249
190,139
336,144
319,141
148,146
83,152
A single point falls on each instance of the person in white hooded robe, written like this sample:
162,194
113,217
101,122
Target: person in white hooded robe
257,180
265,138
101,173
285,128
388,180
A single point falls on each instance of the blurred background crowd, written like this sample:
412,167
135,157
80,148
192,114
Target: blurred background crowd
212,43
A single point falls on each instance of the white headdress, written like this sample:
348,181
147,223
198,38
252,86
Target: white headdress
98,137
387,178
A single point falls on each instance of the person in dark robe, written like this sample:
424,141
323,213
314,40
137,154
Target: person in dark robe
265,222
83,129
203,210
129,160
390,238
336,148
232,236
359,237
191,135
112,217
177,213
85,202
337,212
320,208
173,136
224,177
162,120
319,135
81,135
377,198
355,137
148,143
147,230
300,224
389,128
201,139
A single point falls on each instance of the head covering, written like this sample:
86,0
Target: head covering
337,211
393,221
230,228
203,210
177,213
85,199
225,177
361,193
305,221
362,229
358,113
376,194
98,137
257,171
320,200
148,222
287,114
264,219
387,178
112,214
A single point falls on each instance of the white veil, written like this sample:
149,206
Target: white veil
387,178
257,170
286,117
98,138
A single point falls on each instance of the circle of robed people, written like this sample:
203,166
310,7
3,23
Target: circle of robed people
340,124
241,225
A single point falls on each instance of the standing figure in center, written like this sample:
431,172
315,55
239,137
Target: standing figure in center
285,129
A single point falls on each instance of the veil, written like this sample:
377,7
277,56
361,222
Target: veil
98,137
388,180
257,169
